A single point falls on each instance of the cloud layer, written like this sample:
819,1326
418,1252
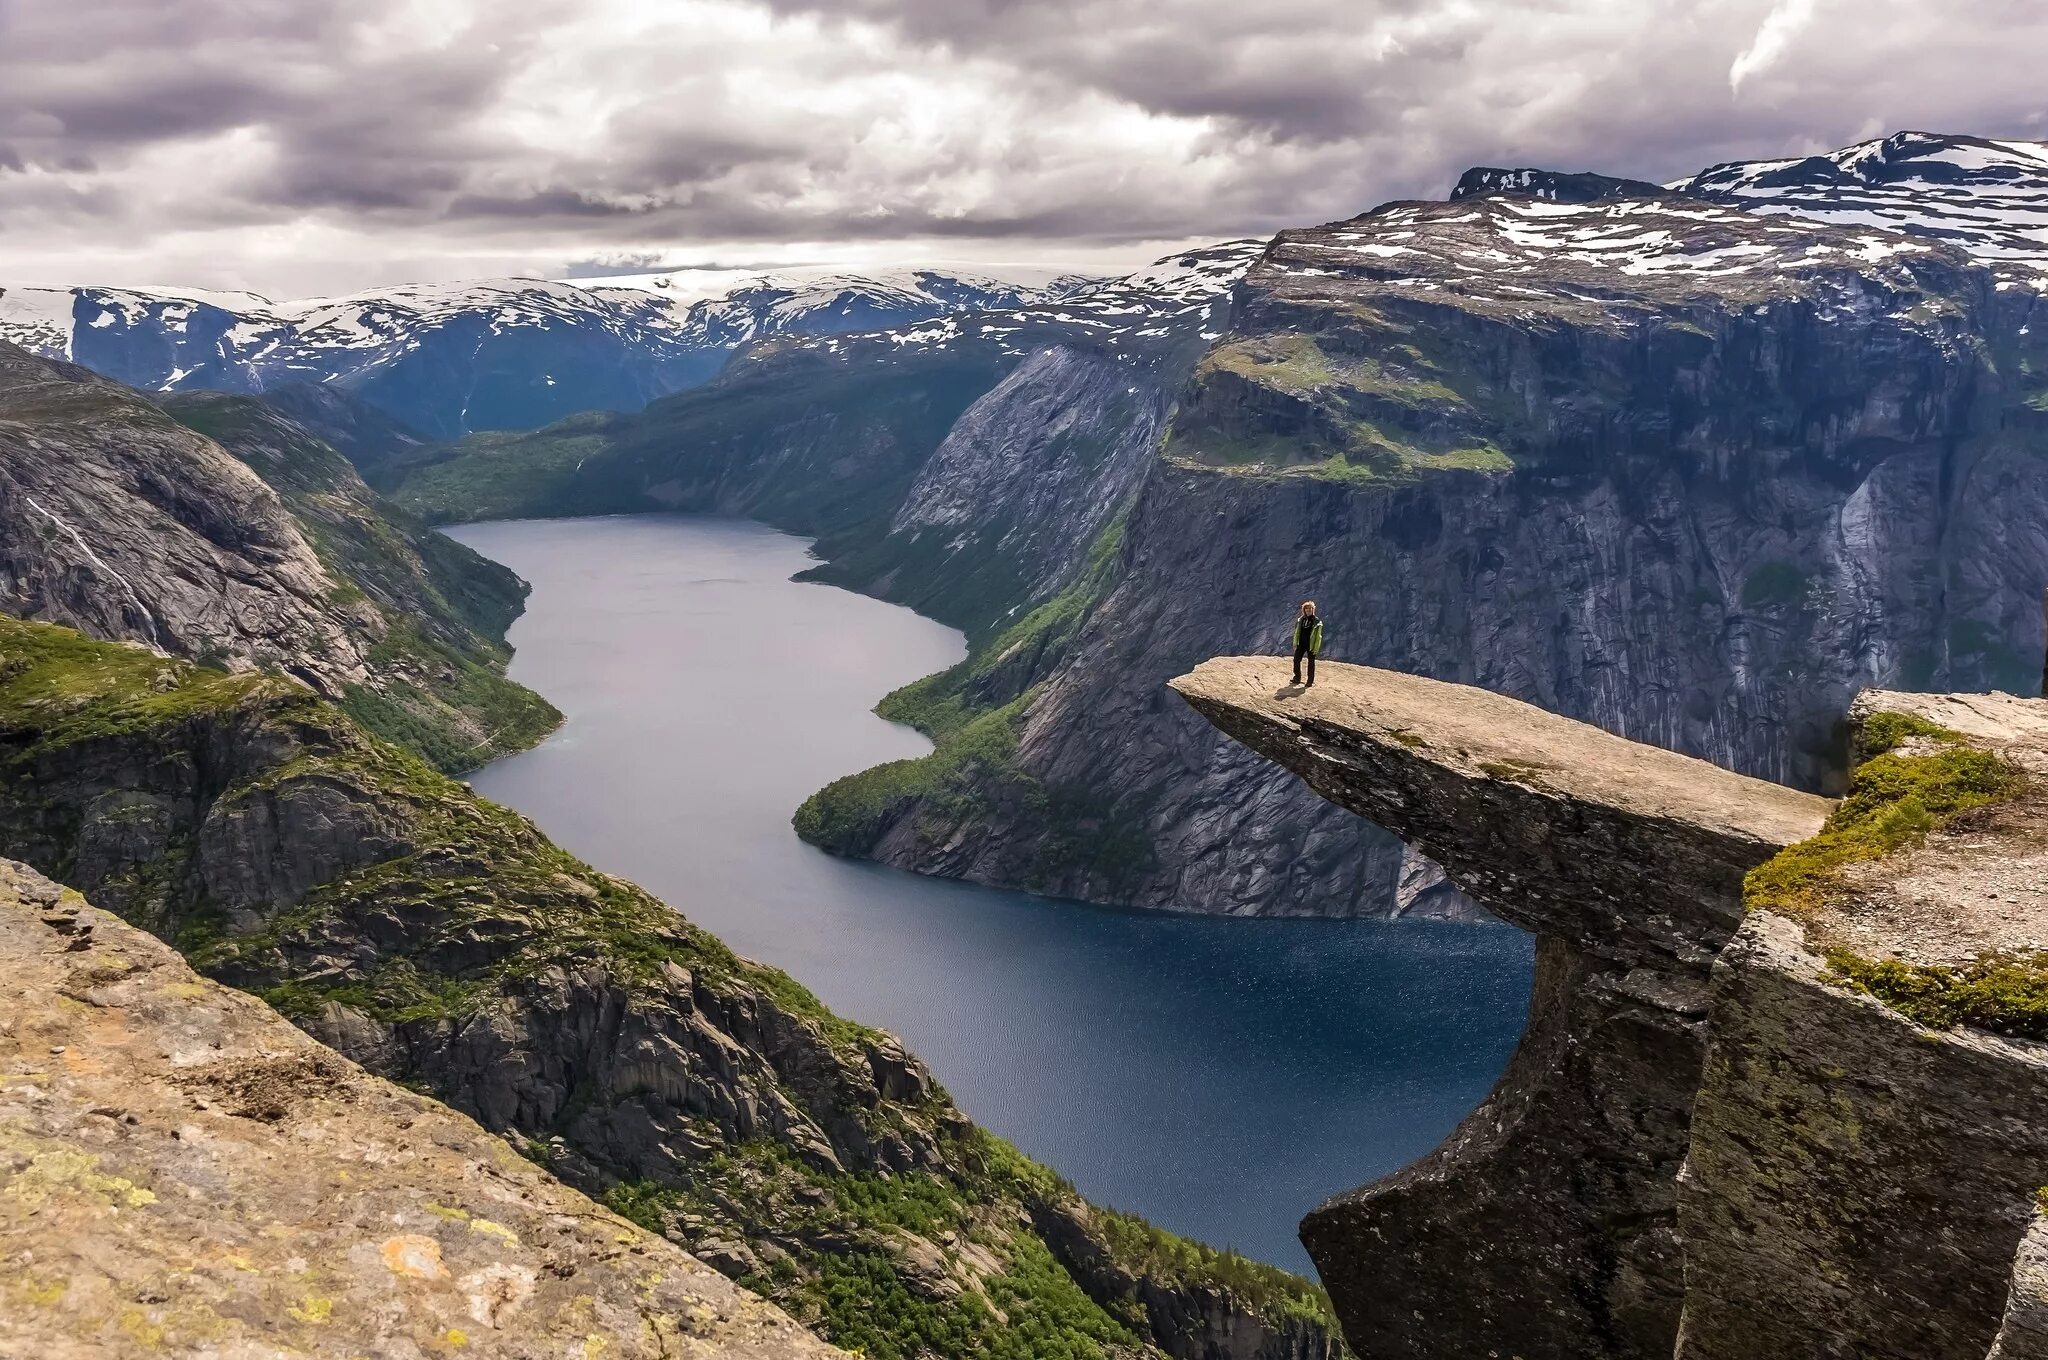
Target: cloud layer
324,146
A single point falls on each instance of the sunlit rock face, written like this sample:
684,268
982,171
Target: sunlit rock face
186,1173
1781,1094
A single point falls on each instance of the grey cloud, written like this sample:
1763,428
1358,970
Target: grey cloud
537,128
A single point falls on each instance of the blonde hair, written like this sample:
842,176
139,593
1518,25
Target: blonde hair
1308,604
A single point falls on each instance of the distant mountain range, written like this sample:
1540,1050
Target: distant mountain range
448,359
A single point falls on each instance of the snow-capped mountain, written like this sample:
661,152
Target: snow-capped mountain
1987,195
449,358
823,302
1175,300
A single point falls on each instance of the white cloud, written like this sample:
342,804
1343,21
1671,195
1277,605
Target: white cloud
332,145
1786,21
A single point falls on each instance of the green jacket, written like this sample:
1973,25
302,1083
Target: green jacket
1315,635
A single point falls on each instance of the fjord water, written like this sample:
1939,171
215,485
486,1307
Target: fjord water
1218,1076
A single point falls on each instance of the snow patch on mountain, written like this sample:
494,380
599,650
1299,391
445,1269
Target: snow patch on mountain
1129,317
447,358
1988,196
37,319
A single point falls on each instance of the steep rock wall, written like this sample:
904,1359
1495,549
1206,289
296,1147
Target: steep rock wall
1782,1092
1547,1224
1690,474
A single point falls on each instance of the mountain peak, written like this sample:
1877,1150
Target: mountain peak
1553,185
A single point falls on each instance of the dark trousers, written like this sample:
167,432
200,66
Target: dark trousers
1301,651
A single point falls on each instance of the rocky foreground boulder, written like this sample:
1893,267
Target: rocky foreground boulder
1782,1092
182,1172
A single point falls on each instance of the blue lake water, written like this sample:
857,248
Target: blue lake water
1219,1076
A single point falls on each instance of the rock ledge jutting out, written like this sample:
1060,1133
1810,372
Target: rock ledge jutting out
1727,1133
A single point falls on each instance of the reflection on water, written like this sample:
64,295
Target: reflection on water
1217,1076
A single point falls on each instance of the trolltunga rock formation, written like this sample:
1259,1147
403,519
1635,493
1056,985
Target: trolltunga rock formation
1713,1143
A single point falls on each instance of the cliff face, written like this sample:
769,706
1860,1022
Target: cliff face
1689,472
1004,509
258,548
182,1172
1778,1095
443,942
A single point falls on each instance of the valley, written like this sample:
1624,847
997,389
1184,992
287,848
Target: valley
1215,1076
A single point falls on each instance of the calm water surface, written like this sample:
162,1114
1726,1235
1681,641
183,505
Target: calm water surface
1218,1076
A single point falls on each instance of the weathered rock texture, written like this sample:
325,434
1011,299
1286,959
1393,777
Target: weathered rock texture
2023,1331
1546,1225
119,521
1712,1143
1859,1185
1026,479
184,1173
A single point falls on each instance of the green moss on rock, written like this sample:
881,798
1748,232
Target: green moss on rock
2005,992
1894,800
1916,776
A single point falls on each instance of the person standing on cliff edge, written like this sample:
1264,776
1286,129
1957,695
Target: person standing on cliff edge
1308,639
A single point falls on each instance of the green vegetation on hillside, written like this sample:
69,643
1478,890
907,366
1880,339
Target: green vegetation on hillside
1379,411
438,686
972,713
1896,799
981,1287
435,912
796,440
503,474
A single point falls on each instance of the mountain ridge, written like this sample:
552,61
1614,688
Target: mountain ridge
480,354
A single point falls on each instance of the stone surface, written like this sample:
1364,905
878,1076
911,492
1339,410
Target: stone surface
1710,1145
182,1172
2023,1331
1556,825
122,523
1858,1185
1546,1224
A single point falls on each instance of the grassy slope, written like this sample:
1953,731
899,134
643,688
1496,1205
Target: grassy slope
1896,798
441,688
841,1250
972,712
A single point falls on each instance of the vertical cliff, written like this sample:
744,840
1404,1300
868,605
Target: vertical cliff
1780,1093
1687,471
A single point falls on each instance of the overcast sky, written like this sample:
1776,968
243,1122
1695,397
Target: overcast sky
298,146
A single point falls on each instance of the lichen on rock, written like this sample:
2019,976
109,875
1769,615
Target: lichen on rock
183,1172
